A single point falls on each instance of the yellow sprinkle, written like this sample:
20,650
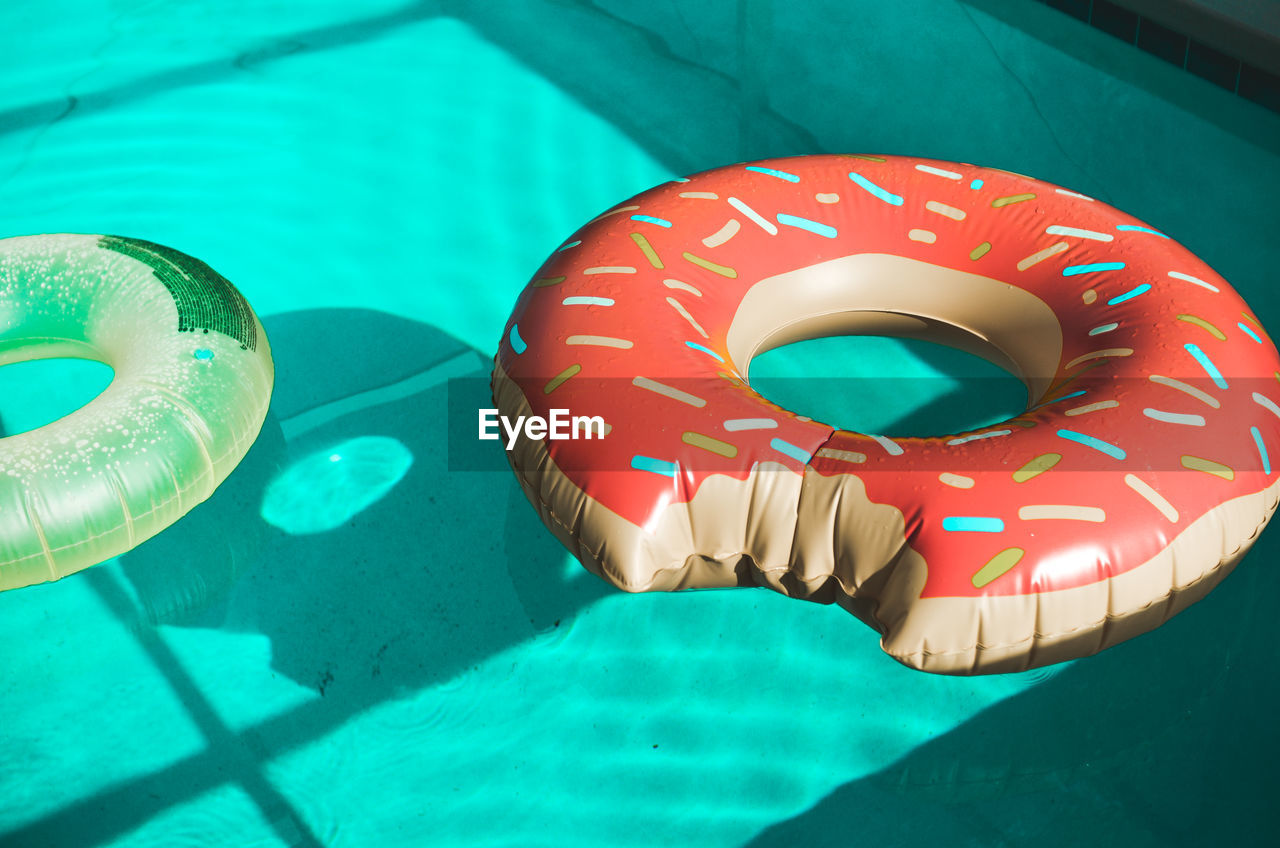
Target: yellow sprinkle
1089,296
1093,407
1111,351
554,382
1153,497
547,281
613,212
707,443
842,455
1066,512
1037,466
997,565
700,195
958,480
1208,466
1203,324
980,251
600,341
684,313
722,270
646,249
827,197
1041,255
1251,320
943,209
861,156
1010,199
922,235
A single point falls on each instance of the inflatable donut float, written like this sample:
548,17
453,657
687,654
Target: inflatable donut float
1140,472
193,378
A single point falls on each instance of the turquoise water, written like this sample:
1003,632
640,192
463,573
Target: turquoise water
390,650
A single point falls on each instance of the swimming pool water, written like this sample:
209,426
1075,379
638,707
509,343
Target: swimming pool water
389,649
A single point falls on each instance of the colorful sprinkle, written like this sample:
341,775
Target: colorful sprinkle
647,250
891,447
1266,403
654,466
705,350
1208,466
1262,450
842,455
1250,331
787,449
600,341
668,391
735,424
945,210
649,219
958,481
938,172
1093,442
1204,325
924,236
682,286
1098,354
1093,268
517,343
1199,395
684,313
562,248
805,224
773,172
583,300
990,434
1207,364
556,381
1092,407
613,212
610,269
1041,255
975,185
980,251
1174,417
698,440
875,190
827,197
1011,199
997,566
700,195
1065,512
972,524
756,218
1089,296
1152,496
722,270
1075,232
543,282
1130,228
1130,294
1103,328
1036,467
1073,194
1190,279
722,235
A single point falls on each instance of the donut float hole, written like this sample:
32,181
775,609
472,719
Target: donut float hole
39,392
881,384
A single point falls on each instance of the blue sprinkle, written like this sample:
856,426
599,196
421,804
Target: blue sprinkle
1250,331
1132,228
1207,364
569,245
1092,442
798,454
975,185
654,466
1130,294
1072,270
887,197
1262,450
661,222
782,175
1055,400
708,350
806,224
972,524
203,354
517,343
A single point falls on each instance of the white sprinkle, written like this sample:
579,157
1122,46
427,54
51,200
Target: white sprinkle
1057,230
938,172
1153,497
943,209
1174,417
587,301
763,223
1267,404
959,481
1190,279
990,434
1073,194
893,448
728,231
735,424
677,284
